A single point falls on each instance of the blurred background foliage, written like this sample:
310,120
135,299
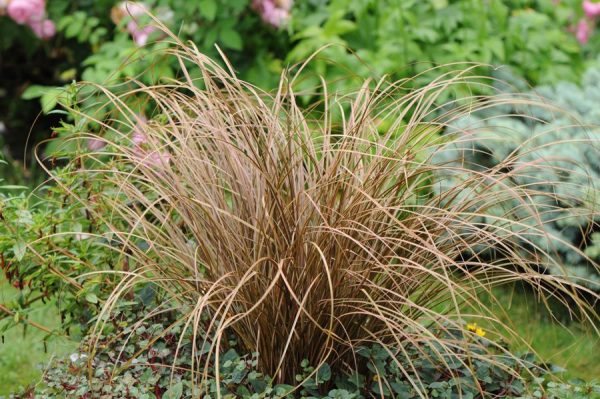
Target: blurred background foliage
356,38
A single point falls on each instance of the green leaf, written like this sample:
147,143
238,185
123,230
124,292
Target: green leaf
439,4
13,187
34,91
208,9
75,27
324,373
283,389
174,392
231,39
91,298
50,98
496,45
19,249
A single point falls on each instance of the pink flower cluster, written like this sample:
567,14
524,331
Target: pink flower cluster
31,13
585,26
133,11
141,146
273,12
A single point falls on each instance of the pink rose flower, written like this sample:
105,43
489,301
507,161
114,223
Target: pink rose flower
273,12
138,138
131,11
583,31
142,149
43,29
23,11
152,158
275,16
139,34
591,10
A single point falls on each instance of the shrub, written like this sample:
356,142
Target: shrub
95,38
403,39
49,241
306,239
528,138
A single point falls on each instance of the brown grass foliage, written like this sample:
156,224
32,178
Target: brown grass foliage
307,233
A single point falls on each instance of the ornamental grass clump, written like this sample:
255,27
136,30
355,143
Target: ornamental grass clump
308,235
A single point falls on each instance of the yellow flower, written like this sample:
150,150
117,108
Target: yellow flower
472,327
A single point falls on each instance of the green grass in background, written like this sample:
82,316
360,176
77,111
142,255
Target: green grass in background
571,346
22,351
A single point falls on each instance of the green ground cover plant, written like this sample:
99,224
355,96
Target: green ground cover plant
164,371
25,358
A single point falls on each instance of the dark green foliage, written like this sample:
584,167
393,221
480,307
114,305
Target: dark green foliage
139,360
552,139
393,37
90,46
402,38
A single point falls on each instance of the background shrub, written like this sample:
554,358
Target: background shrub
92,46
51,244
408,38
535,37
529,137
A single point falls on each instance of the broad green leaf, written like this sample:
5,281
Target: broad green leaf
208,9
34,91
91,298
231,39
50,98
174,392
324,373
